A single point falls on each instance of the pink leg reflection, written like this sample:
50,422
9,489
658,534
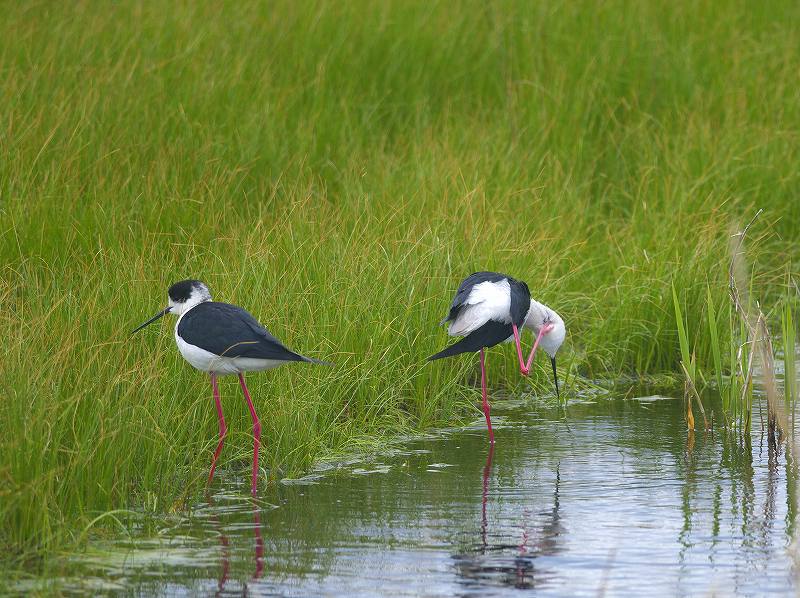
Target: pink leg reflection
486,408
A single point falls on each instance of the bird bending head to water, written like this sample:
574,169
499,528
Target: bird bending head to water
490,308
550,332
223,339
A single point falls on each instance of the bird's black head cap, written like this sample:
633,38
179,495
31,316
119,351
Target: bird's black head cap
181,291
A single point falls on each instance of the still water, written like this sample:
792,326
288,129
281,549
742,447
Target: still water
617,500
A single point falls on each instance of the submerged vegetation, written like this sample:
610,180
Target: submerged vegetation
336,169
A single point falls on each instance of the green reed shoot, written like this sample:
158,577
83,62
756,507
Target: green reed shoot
714,340
683,338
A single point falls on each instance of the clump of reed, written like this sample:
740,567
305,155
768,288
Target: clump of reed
750,353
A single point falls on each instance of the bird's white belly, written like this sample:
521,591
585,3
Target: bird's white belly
209,362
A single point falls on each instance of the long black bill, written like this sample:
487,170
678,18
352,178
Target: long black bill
160,314
555,376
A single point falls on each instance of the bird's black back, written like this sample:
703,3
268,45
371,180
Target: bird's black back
229,331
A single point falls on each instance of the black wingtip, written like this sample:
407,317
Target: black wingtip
453,349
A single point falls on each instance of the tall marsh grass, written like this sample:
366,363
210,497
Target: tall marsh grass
336,168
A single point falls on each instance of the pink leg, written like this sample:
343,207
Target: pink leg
486,408
256,433
223,430
518,343
542,331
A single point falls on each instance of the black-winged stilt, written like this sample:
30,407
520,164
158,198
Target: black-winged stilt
221,339
490,308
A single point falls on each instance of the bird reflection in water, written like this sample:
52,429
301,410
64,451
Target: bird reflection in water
225,551
511,563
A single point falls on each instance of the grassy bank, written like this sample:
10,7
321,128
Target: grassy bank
336,168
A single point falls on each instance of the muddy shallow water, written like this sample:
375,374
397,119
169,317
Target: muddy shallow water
619,502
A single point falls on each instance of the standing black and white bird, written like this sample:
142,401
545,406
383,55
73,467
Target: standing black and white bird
490,308
221,339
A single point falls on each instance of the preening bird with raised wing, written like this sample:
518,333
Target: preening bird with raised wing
223,339
489,308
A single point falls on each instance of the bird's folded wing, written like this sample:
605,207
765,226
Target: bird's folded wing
229,331
487,301
462,296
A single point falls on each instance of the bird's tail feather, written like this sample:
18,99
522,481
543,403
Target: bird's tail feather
316,361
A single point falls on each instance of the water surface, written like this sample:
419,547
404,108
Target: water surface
619,502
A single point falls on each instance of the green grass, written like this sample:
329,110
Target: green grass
337,168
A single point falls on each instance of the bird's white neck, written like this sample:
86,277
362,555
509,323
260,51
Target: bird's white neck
197,297
538,315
